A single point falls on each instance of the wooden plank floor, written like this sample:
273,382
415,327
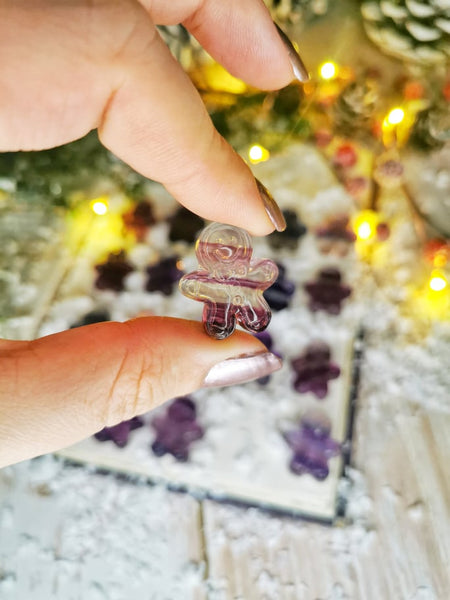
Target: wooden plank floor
67,533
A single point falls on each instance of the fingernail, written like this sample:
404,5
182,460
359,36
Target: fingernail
242,369
298,66
272,209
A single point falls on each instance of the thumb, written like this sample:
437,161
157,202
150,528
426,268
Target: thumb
59,389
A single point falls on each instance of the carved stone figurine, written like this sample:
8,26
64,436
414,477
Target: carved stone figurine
229,281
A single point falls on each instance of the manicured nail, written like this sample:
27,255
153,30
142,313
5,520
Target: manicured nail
242,369
298,66
272,209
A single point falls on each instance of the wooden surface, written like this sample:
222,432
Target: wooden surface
68,533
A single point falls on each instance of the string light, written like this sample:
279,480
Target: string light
258,154
99,206
328,70
365,224
364,231
437,282
395,116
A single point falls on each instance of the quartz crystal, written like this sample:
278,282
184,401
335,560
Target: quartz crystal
229,281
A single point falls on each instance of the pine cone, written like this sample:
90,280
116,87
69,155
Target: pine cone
431,130
294,11
355,106
412,30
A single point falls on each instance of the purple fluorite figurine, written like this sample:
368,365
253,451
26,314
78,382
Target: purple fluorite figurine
336,237
229,281
119,433
290,237
139,219
327,292
95,316
280,293
312,446
314,369
177,429
111,274
163,275
184,226
266,339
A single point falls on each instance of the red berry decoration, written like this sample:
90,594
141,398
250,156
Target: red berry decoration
383,232
345,156
111,274
327,292
119,434
323,137
177,429
314,369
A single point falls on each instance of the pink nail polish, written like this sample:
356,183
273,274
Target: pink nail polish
242,369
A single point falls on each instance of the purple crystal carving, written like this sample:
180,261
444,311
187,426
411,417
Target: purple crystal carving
314,369
119,434
312,446
229,281
184,226
95,316
139,219
336,237
111,274
327,292
163,275
266,339
177,429
280,293
290,237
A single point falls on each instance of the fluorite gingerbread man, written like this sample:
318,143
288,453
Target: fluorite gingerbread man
229,281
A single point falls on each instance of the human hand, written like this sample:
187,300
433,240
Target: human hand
67,68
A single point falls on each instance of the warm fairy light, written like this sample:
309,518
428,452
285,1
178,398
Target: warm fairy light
437,282
364,231
395,116
258,154
365,224
99,206
328,70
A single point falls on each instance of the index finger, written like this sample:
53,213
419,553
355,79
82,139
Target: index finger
240,35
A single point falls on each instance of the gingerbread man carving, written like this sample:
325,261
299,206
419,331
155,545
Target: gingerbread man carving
229,281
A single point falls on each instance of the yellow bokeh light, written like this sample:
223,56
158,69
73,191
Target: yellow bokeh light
99,206
395,116
437,282
328,70
365,224
364,231
258,154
